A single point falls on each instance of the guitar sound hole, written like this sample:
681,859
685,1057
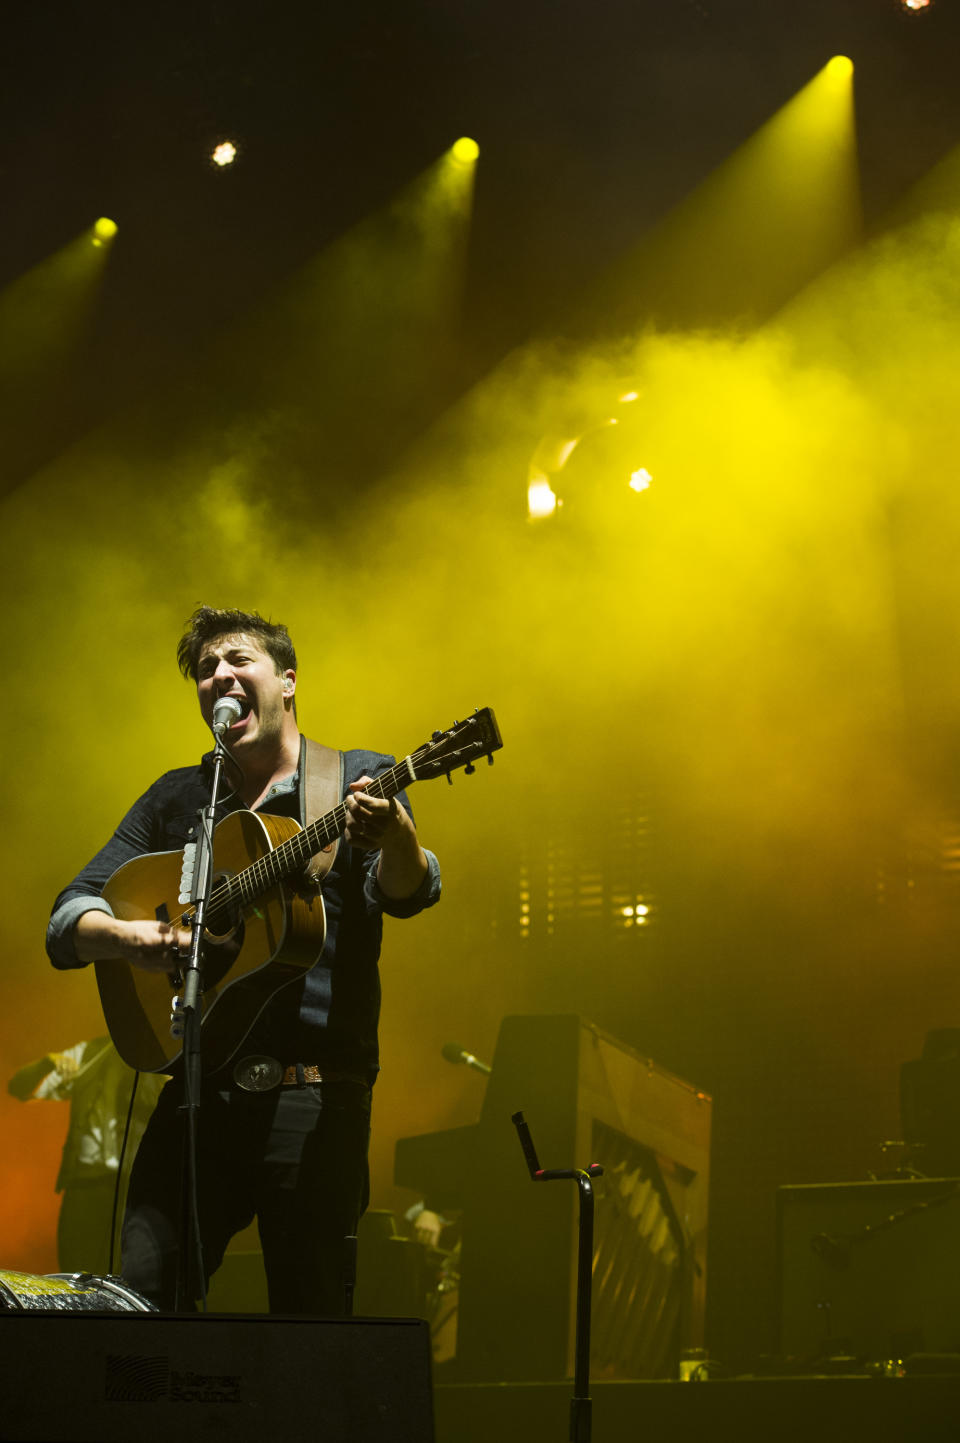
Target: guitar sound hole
220,955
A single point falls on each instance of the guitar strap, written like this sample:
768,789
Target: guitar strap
321,789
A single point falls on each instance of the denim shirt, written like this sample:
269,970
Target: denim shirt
329,1017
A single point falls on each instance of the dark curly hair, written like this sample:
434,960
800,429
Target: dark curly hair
208,623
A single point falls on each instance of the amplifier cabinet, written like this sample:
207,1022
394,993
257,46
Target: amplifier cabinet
869,1269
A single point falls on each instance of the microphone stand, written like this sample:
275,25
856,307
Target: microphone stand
580,1404
186,1023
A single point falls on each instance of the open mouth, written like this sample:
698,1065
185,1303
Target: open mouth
245,709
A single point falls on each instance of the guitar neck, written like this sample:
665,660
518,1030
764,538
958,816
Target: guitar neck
292,856
446,752
296,852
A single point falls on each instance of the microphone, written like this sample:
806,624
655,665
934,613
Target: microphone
453,1052
225,712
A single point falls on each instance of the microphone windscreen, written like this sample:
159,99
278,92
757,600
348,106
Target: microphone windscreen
226,711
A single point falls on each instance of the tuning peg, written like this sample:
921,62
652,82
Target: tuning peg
449,779
469,769
437,736
489,759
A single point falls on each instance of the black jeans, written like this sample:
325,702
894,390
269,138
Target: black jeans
294,1158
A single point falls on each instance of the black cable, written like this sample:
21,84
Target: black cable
194,1210
116,1186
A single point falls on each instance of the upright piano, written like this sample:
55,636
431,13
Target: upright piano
587,1098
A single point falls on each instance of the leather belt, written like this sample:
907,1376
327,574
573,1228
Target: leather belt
262,1074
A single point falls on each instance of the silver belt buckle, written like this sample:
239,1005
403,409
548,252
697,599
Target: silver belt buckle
258,1074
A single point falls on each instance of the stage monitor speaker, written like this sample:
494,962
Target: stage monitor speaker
869,1269
110,1378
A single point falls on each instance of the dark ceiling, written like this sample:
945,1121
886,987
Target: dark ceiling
593,120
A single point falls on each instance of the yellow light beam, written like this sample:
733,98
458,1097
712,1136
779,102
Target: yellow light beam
781,209
363,329
43,315
936,191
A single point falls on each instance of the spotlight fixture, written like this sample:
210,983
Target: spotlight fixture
572,468
465,151
840,67
914,7
102,230
223,154
541,498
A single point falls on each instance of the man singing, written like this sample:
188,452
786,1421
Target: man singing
284,1126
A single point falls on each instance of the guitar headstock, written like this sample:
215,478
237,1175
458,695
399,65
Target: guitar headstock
460,746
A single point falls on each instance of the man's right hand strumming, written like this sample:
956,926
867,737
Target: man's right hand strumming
154,946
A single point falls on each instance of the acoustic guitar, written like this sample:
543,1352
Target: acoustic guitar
265,927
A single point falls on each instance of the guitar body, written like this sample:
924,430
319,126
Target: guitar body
262,932
271,941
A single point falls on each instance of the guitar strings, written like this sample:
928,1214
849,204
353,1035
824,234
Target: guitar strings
277,863
280,861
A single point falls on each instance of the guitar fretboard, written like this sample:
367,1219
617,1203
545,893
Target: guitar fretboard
293,854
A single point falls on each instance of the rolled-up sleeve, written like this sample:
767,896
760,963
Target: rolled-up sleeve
425,896
133,837
428,893
63,919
